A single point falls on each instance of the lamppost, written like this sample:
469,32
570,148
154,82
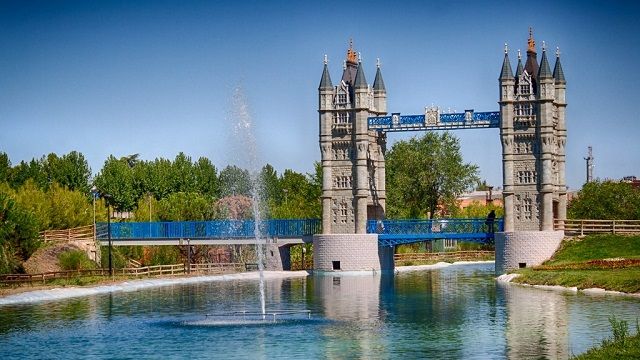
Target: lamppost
94,194
107,198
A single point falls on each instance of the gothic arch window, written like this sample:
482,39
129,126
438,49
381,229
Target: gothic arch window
525,85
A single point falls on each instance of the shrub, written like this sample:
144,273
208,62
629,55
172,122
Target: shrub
75,260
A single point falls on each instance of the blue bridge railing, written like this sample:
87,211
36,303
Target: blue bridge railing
395,232
213,229
466,120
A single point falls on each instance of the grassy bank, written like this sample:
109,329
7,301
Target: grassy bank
610,262
622,346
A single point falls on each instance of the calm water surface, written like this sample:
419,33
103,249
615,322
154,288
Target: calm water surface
458,312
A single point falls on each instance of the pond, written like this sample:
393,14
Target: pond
456,312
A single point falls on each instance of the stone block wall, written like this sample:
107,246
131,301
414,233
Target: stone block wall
353,252
278,258
525,248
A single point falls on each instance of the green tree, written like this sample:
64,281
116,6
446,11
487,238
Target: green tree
182,177
69,208
182,206
605,200
36,201
234,181
71,170
206,178
5,167
116,179
34,169
18,235
426,173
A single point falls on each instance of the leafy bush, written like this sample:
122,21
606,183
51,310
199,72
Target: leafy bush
75,260
18,234
606,200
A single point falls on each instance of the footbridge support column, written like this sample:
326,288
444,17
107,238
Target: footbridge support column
520,249
350,252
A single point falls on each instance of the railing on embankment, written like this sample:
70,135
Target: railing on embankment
156,270
213,229
82,233
584,227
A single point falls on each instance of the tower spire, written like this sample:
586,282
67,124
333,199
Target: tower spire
558,74
545,71
325,80
506,73
378,83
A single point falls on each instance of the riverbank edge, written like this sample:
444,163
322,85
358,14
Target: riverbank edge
507,279
23,294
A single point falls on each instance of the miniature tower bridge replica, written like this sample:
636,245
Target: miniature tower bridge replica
354,123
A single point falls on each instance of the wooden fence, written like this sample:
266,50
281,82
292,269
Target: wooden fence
157,270
584,227
75,234
444,256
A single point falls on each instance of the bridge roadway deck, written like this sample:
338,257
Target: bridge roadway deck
289,232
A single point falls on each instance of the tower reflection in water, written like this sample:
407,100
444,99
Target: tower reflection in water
537,323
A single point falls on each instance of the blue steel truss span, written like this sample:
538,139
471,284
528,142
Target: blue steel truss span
212,229
390,232
396,232
465,120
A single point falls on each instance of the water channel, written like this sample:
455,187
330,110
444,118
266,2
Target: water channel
456,312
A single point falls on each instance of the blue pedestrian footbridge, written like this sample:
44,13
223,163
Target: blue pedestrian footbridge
290,231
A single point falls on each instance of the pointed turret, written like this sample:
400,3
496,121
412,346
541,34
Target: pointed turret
506,73
360,81
378,83
379,92
325,81
558,74
545,70
519,69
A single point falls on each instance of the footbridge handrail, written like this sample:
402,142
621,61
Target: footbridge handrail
394,232
209,229
592,226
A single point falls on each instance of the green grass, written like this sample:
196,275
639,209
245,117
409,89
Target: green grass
597,247
593,247
622,346
625,280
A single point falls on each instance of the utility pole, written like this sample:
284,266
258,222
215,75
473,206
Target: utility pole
589,160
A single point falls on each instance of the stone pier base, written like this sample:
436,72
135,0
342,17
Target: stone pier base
350,252
520,249
278,258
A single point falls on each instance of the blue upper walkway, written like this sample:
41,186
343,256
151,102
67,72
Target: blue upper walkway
390,232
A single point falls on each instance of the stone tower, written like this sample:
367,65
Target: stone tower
353,188
533,133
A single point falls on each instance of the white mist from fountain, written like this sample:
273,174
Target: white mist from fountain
244,134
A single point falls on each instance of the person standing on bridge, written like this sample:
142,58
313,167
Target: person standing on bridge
491,218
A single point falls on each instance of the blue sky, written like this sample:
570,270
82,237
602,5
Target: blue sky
157,77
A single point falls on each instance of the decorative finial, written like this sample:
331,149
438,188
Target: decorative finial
544,46
378,63
326,61
352,56
519,55
557,51
531,42
359,57
506,48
